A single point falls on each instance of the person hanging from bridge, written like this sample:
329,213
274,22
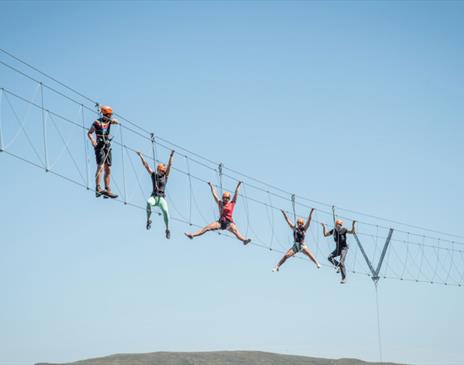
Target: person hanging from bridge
158,196
102,145
225,222
339,234
299,232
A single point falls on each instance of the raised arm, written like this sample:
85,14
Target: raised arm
90,135
308,221
114,121
289,222
213,191
324,230
168,169
147,166
353,228
237,189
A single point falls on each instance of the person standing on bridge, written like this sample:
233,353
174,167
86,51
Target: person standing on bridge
102,145
339,234
225,221
299,232
158,196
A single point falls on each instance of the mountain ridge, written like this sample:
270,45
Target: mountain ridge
215,358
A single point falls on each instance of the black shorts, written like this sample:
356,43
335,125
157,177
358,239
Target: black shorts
103,154
225,224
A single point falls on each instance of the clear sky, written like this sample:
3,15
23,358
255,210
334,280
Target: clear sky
357,104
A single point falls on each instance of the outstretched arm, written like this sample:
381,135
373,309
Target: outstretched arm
147,166
289,222
324,230
237,189
115,121
168,169
213,191
308,222
352,228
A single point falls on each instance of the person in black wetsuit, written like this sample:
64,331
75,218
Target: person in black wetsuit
339,234
299,232
159,180
102,145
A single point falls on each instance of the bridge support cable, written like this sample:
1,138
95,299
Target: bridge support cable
22,128
379,332
65,147
122,161
85,139
44,123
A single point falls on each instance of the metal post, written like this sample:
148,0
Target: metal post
294,209
44,124
85,148
365,256
123,171
382,256
1,118
221,165
190,189
153,142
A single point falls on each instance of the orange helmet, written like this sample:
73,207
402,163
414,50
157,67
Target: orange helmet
226,195
161,168
106,109
300,221
339,221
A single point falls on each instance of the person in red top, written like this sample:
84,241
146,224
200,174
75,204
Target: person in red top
225,221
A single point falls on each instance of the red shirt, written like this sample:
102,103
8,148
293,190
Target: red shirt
227,210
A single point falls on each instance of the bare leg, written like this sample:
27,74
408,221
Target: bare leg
98,175
311,256
289,254
107,178
210,227
235,231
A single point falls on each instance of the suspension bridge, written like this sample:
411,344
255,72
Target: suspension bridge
44,123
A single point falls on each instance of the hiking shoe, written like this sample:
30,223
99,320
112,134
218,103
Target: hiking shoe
109,194
168,234
247,241
148,224
98,192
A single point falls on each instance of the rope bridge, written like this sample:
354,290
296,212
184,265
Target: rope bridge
46,124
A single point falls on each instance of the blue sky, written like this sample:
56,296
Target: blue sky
357,104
